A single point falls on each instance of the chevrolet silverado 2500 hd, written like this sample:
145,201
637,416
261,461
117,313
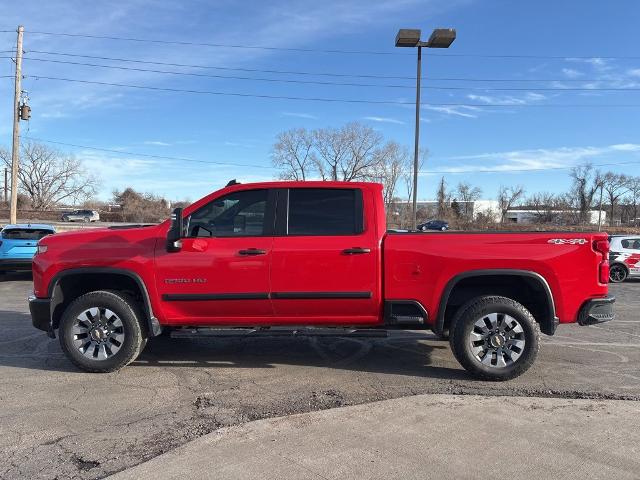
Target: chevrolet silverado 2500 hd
314,255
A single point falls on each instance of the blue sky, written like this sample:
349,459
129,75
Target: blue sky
240,131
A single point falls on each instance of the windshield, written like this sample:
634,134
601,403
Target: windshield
25,233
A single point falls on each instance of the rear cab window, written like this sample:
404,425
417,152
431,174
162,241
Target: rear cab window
325,211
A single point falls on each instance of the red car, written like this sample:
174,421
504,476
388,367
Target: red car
311,256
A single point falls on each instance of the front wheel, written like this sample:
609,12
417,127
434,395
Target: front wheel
617,273
100,331
494,338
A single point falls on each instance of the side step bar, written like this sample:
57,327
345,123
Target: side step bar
277,332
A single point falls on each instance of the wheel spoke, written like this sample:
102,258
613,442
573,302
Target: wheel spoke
102,352
500,358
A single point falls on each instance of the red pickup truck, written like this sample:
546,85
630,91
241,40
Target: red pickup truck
312,256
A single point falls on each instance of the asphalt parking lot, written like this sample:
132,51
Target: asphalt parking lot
58,422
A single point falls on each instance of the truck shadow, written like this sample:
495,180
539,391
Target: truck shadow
416,354
413,354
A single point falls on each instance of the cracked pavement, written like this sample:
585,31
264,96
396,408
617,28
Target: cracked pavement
58,422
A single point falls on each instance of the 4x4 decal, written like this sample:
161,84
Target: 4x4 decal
567,241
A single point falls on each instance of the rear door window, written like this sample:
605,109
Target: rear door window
324,211
25,233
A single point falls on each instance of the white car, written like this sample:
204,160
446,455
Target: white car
624,257
81,216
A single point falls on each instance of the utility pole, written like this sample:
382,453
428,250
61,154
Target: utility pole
6,184
15,148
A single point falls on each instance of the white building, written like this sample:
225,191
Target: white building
429,208
529,216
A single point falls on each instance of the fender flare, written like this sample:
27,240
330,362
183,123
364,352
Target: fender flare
153,325
547,325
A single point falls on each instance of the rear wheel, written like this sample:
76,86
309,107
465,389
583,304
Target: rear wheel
100,331
617,273
494,338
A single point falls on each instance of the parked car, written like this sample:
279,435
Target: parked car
624,258
81,216
307,256
434,225
18,244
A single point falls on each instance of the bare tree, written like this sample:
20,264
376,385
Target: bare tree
333,150
49,177
615,185
467,194
508,197
443,198
633,199
585,183
293,154
391,166
547,207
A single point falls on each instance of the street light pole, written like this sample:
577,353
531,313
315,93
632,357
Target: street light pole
416,148
410,37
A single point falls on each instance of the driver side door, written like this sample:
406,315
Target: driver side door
221,274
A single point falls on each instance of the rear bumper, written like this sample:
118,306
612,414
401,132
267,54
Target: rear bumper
15,263
597,310
40,309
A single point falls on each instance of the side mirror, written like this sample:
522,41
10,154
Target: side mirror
174,234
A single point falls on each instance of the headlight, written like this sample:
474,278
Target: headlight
42,248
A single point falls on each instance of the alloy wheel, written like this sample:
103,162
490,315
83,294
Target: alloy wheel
98,333
497,340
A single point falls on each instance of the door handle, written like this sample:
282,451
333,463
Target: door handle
252,251
356,251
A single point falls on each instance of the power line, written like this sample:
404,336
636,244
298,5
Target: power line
164,157
217,45
323,99
312,50
347,84
297,72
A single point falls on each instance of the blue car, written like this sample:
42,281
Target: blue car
18,244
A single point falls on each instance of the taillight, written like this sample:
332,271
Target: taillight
602,247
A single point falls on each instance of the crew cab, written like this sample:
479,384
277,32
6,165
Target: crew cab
314,256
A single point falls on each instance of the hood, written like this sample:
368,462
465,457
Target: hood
98,244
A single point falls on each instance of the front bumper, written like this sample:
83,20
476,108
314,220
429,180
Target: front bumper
40,309
597,310
7,264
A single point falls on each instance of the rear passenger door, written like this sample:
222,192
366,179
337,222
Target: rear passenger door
326,258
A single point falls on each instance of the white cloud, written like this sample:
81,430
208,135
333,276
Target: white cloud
156,143
525,99
384,120
571,73
634,72
534,159
300,115
460,111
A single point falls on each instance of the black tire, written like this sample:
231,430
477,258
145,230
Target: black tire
128,312
463,324
617,273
